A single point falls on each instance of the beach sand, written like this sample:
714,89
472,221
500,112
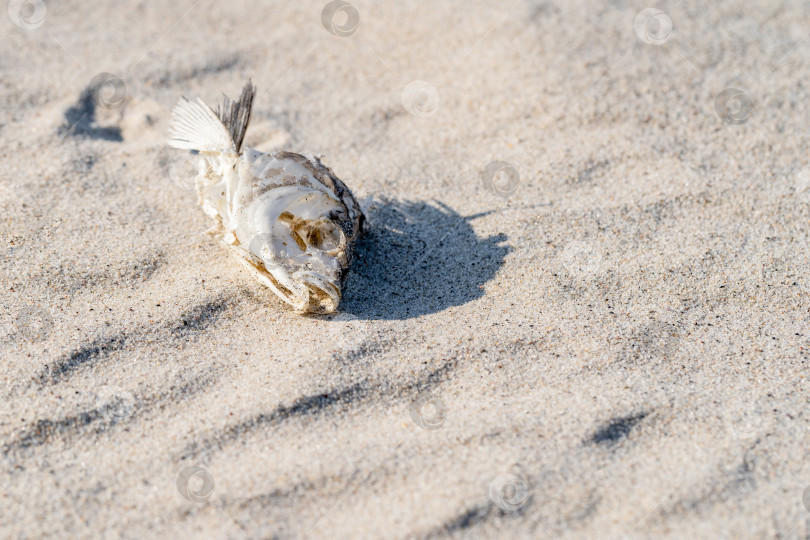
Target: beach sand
607,339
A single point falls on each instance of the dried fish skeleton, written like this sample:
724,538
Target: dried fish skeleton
290,220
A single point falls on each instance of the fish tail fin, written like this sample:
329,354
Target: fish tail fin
235,115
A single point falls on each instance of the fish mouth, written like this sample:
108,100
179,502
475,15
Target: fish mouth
322,293
305,290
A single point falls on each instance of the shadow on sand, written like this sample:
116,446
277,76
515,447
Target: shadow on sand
419,258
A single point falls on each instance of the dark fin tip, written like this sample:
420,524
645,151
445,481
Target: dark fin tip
236,114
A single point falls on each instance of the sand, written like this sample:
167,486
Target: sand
607,339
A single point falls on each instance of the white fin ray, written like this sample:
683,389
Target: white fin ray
194,126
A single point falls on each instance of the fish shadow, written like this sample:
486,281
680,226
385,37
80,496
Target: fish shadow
418,258
80,118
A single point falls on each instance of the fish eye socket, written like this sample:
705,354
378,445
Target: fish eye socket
325,236
322,234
